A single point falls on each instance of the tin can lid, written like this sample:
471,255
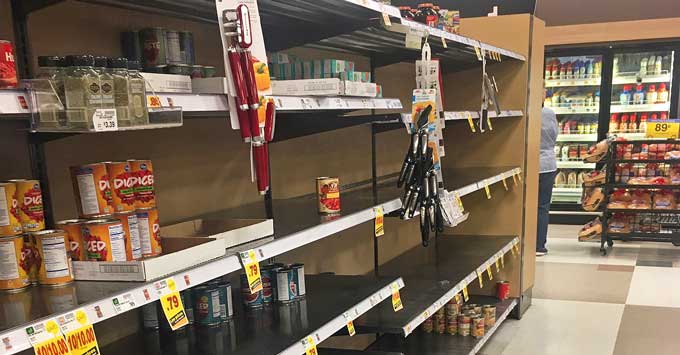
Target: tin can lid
71,221
10,237
144,209
47,232
102,221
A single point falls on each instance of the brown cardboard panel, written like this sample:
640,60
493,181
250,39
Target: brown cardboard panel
603,32
508,31
6,31
14,154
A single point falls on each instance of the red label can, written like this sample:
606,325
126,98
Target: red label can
123,182
8,67
502,290
328,193
145,193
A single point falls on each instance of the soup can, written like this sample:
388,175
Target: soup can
8,67
144,188
489,313
268,273
328,194
77,245
464,324
477,328
122,181
452,326
9,210
502,290
14,265
250,300
286,289
207,305
105,240
149,231
133,247
299,279
92,190
439,322
428,325
55,264
31,211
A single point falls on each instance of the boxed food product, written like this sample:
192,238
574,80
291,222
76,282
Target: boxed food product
323,87
156,83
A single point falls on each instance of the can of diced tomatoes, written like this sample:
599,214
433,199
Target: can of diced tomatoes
9,210
8,67
149,231
133,246
328,193
92,190
29,198
502,290
32,256
14,265
105,240
55,264
122,181
144,189
77,246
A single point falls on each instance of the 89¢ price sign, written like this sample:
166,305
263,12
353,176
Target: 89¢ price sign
667,129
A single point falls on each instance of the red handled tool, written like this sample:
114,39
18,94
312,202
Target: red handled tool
241,94
261,150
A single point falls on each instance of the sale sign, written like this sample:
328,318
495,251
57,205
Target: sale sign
79,333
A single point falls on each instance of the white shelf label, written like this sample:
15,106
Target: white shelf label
124,303
105,120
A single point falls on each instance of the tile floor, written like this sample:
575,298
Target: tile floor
625,303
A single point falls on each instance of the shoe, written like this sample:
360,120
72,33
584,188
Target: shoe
541,252
591,231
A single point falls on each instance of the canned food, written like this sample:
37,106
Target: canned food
207,305
268,273
172,50
186,47
150,319
428,325
452,326
226,305
441,312
502,290
153,47
77,245
133,247
439,322
145,193
32,256
286,289
149,231
477,327
328,193
489,313
477,308
29,197
188,302
250,300
9,210
14,265
452,309
92,190
55,264
464,322
8,68
105,240
122,182
299,279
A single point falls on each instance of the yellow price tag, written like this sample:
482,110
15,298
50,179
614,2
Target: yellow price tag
174,310
667,129
444,43
460,202
514,179
503,261
47,339
487,190
470,122
478,52
513,250
252,269
386,19
79,333
350,328
54,346
466,297
379,222
505,184
488,272
153,101
488,122
396,298
481,279
457,298
498,268
310,347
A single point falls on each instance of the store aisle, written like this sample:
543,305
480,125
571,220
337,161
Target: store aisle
626,303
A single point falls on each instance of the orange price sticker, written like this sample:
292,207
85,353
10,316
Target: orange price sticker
310,347
252,269
153,101
379,222
396,298
466,297
350,328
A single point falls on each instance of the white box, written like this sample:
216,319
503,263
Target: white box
352,88
231,232
323,87
210,85
167,83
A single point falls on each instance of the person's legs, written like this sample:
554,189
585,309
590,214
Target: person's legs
545,187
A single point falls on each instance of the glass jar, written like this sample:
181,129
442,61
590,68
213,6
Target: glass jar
49,92
118,68
81,90
139,115
105,82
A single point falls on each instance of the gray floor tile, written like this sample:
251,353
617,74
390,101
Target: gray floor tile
648,330
582,282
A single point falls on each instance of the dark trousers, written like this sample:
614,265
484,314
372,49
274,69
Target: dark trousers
545,187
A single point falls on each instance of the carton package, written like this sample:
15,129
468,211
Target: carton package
160,83
323,87
217,85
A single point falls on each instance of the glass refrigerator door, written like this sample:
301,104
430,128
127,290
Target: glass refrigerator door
573,92
641,87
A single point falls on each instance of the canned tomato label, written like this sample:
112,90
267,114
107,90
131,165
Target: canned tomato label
207,305
149,232
92,190
29,197
286,289
122,181
250,300
153,46
133,246
145,193
8,67
13,265
55,266
32,256
105,240
502,290
9,210
299,279
77,246
328,193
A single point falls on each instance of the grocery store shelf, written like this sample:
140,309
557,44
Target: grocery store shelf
577,137
634,78
663,107
463,115
311,103
634,186
465,181
567,194
632,136
574,164
575,110
434,276
331,302
437,344
630,211
556,83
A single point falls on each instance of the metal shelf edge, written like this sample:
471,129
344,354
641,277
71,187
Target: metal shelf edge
490,332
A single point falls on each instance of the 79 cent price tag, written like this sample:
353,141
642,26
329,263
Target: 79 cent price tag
79,333
252,269
396,298
171,302
379,222
310,347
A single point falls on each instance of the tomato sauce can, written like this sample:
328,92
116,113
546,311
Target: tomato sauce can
477,328
105,240
144,189
14,265
31,211
122,182
250,300
328,193
133,246
149,231
55,264
464,324
299,279
502,290
286,288
489,313
9,210
207,305
8,67
92,190
268,273
77,246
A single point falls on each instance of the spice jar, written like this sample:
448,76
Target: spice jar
139,115
118,67
81,90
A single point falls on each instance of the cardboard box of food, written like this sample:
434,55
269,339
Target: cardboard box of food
323,87
231,232
167,83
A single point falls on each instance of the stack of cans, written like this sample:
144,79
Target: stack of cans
282,284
